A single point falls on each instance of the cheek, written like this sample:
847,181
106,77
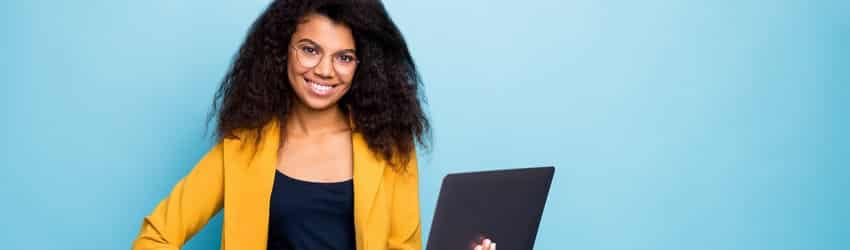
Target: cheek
291,68
349,81
294,72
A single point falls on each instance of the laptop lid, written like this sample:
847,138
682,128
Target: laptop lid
503,205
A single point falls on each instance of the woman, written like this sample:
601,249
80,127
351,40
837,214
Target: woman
317,124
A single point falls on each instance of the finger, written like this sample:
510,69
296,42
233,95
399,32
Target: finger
486,243
493,246
480,239
478,247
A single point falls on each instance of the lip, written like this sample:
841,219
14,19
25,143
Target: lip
319,88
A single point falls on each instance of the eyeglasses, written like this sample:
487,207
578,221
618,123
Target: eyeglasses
309,55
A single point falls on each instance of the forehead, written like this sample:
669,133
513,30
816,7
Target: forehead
325,32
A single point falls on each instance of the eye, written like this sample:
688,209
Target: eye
309,50
346,58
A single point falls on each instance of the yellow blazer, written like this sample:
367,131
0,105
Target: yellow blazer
237,175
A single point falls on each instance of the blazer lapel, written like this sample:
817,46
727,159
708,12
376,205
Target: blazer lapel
248,194
368,171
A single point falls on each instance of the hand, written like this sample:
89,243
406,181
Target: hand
486,244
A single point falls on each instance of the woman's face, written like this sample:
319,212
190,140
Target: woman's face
321,62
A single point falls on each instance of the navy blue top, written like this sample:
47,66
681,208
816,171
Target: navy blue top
311,215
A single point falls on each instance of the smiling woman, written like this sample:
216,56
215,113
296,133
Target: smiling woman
317,124
383,100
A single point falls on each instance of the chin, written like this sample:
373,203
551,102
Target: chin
319,105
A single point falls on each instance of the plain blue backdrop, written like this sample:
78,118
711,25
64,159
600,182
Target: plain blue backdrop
672,124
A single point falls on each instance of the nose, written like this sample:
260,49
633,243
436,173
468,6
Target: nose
324,69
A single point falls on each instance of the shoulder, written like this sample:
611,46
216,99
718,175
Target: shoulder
248,142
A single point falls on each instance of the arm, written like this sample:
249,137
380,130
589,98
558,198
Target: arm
405,228
192,202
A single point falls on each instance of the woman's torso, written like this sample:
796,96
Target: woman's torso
312,200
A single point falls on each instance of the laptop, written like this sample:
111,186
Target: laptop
503,205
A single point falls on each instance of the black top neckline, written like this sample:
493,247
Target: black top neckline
335,183
311,215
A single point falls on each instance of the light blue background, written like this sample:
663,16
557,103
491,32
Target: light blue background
673,124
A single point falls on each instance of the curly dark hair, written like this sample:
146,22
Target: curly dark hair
384,102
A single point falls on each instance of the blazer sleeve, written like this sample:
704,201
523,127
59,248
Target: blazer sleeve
405,228
189,206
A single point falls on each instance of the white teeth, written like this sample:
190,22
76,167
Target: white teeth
322,89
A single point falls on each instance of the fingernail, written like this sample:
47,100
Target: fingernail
486,242
493,247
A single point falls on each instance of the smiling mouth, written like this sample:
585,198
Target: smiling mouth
320,88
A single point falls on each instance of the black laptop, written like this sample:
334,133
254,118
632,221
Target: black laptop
504,206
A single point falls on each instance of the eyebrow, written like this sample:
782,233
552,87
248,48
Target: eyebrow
307,40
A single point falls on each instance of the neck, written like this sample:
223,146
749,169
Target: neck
304,121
